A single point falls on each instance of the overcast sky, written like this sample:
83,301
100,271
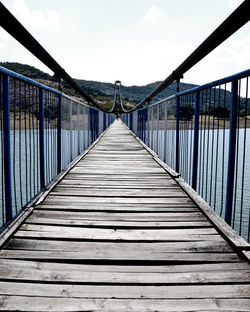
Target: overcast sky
135,41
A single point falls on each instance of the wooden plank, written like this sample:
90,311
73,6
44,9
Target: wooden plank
118,165
126,171
86,234
123,256
72,181
71,191
131,163
115,157
36,230
81,268
25,303
121,216
145,278
116,207
118,292
118,224
155,247
118,200
122,177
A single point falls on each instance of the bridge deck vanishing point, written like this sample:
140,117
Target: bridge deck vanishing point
117,233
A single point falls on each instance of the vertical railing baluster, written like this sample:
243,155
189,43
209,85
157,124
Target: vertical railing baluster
144,124
104,121
157,130
196,139
94,124
78,130
70,133
143,117
231,152
177,135
131,121
59,135
90,126
165,132
152,120
139,124
7,151
41,137
97,123
148,126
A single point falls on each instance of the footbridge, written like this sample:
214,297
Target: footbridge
141,209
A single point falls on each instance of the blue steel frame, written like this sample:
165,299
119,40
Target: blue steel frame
94,129
143,121
7,155
231,153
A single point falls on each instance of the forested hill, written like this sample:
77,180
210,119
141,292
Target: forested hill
101,91
134,93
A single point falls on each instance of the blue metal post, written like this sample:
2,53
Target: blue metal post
41,137
7,153
78,130
59,135
145,124
91,125
96,124
104,121
231,153
139,124
177,137
71,129
131,121
196,139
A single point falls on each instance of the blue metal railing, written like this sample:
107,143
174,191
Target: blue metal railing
42,131
204,134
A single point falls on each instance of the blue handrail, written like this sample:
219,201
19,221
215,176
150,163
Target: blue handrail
42,131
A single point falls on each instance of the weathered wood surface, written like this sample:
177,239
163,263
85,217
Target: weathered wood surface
119,234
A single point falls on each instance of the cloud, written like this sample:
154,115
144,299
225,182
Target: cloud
37,18
233,4
238,52
148,62
152,14
4,36
231,57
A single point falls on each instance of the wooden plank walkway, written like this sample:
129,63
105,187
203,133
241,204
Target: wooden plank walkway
119,234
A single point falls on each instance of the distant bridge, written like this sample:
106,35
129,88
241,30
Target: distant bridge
100,213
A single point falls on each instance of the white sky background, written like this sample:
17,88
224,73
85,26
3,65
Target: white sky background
135,41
